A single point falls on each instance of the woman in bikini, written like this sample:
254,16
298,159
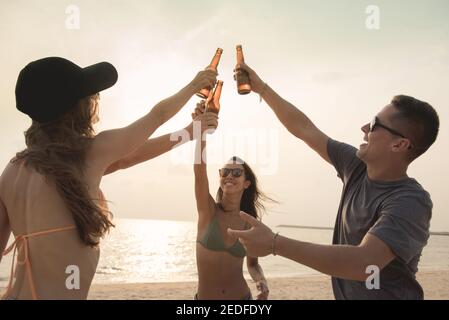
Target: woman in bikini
49,193
220,257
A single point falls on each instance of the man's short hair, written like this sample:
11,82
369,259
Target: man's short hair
421,121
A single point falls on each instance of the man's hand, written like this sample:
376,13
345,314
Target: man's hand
257,84
258,240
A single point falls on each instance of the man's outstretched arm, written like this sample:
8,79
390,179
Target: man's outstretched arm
348,262
341,261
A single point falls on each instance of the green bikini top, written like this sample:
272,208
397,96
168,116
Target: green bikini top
213,240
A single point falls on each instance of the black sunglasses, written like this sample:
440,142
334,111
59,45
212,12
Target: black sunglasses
236,172
376,123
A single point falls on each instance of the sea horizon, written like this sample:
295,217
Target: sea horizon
298,226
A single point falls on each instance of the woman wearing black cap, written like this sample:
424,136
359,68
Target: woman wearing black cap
49,193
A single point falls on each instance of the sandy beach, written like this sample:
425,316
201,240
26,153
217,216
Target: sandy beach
435,285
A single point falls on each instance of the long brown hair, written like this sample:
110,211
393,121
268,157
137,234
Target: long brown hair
58,150
253,198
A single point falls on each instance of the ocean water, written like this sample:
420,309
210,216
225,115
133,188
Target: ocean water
139,251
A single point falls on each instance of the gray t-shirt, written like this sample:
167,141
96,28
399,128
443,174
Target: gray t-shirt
396,212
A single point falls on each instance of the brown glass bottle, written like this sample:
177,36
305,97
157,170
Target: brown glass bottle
213,100
241,76
204,92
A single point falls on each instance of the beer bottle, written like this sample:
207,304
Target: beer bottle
241,76
204,92
213,100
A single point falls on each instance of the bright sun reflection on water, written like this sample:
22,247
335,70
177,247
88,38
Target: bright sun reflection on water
144,250
139,251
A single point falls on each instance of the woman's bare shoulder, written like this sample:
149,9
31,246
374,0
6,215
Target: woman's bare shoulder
11,167
94,160
8,173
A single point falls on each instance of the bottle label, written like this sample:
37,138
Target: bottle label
211,107
242,77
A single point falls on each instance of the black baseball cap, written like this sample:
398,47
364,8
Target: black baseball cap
48,88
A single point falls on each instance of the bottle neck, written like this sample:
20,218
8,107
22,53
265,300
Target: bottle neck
217,92
240,58
215,61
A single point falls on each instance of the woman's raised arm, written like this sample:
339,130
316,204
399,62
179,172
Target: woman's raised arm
112,145
205,203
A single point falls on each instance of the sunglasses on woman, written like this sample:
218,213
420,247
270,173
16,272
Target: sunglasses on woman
236,172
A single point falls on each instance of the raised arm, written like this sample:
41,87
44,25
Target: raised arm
112,145
155,147
149,150
205,203
296,122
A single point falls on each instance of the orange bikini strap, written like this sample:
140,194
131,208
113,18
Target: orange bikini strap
21,242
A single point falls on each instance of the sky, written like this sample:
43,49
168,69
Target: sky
328,58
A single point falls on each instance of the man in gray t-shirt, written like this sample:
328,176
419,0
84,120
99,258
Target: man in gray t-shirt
383,218
396,212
